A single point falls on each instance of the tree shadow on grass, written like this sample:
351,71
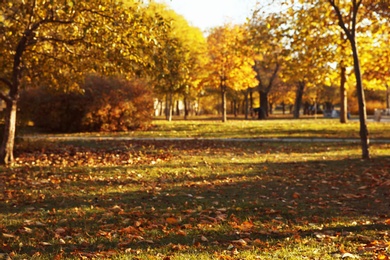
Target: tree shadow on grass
271,201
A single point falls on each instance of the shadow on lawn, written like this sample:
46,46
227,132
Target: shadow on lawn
280,200
196,144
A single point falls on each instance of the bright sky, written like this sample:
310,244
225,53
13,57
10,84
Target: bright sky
210,13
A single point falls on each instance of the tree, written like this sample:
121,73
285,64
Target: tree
179,59
56,43
350,33
266,40
310,49
229,66
375,57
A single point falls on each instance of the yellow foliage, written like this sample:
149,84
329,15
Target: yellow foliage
230,64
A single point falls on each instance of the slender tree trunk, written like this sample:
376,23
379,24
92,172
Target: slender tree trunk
223,93
7,146
343,95
178,108
166,107
161,108
387,96
298,99
362,102
251,102
351,36
186,108
169,107
246,104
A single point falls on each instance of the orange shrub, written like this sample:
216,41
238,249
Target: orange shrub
108,104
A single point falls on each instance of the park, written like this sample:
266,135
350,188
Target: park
199,189
128,133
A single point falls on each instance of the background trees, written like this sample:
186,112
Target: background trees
266,40
229,66
178,60
56,43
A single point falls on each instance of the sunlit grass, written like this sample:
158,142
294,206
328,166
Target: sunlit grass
196,199
278,128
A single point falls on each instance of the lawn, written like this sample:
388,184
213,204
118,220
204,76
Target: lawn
199,198
276,128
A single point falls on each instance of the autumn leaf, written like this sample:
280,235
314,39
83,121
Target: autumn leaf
172,220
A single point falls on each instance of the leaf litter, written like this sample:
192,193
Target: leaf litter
55,205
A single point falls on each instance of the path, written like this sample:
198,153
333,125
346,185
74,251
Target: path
126,138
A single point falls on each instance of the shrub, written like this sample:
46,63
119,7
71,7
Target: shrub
107,104
52,110
115,104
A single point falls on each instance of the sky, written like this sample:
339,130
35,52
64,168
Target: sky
206,14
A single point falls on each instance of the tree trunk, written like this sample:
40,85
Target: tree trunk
298,99
223,93
7,146
251,102
178,108
186,108
387,96
246,104
263,104
169,107
362,102
166,107
343,96
351,36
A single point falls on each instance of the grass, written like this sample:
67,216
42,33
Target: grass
237,128
197,199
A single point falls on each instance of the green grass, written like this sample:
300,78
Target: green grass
197,199
276,128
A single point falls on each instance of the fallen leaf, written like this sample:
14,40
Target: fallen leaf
296,195
172,220
240,242
8,235
45,244
349,255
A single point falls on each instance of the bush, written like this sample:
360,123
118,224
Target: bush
52,110
107,104
116,105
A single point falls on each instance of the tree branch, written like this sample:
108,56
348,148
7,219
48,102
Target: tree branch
273,77
6,82
340,18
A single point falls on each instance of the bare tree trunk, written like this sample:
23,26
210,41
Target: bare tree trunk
7,146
